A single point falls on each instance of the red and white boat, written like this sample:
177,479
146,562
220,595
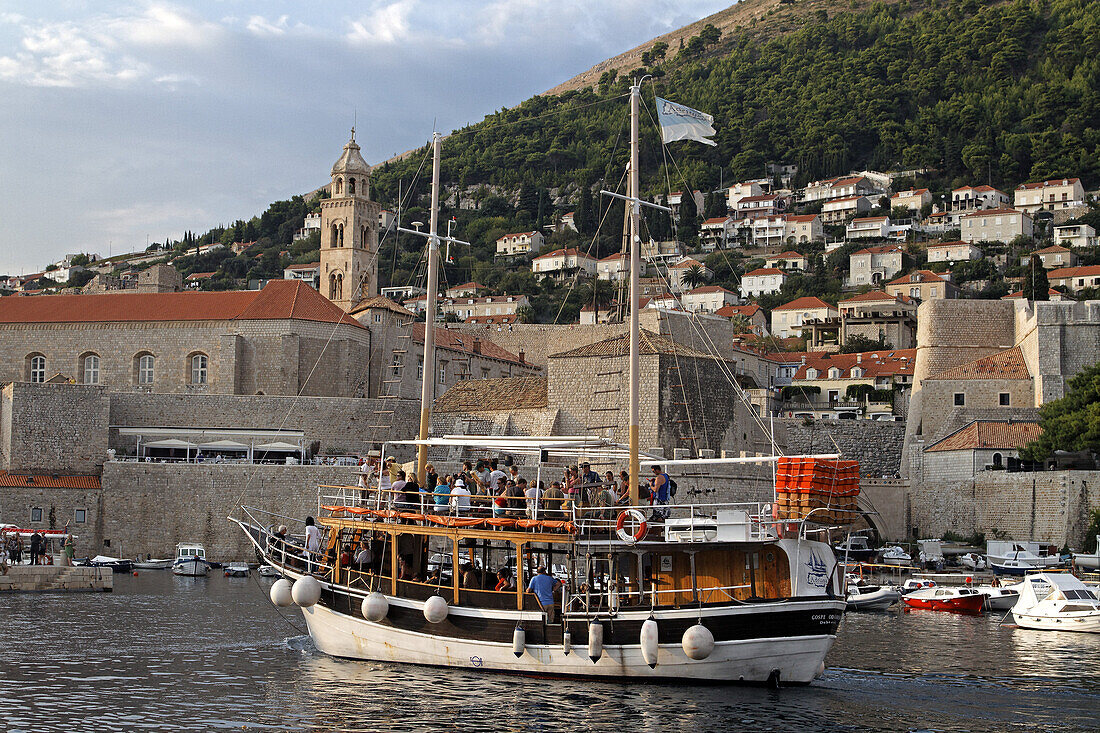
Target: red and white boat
959,600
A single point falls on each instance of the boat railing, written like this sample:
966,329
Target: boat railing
290,550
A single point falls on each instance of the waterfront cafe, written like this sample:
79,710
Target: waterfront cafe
211,445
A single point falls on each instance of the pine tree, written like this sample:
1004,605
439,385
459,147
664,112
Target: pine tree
1036,286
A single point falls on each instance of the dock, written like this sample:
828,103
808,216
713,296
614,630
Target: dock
55,578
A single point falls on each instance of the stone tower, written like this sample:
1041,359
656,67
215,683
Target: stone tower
349,232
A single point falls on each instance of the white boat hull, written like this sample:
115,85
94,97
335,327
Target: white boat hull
1086,562
153,565
1084,623
879,600
799,660
191,568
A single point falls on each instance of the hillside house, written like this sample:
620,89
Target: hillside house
838,211
862,385
878,315
708,299
1074,279
716,233
996,225
762,281
914,199
680,270
752,313
1061,193
564,263
953,252
1075,235
310,273
875,265
519,244
923,285
465,290
976,198
1052,257
788,260
789,319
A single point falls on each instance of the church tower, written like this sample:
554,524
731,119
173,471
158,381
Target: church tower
349,232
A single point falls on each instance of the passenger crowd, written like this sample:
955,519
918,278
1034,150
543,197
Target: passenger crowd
486,489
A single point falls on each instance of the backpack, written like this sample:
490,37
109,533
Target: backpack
671,486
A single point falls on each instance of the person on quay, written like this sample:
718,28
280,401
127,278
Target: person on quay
36,547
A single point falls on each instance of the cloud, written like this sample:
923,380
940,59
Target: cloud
164,25
261,26
386,24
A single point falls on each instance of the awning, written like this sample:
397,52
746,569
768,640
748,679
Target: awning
278,447
224,445
168,443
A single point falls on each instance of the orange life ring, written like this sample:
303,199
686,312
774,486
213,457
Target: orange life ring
620,526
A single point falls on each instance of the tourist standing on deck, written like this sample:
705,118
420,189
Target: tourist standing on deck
313,542
660,489
543,585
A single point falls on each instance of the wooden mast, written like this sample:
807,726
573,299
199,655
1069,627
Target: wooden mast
428,383
635,267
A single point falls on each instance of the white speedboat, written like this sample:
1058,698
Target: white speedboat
1057,602
116,564
895,555
1011,567
973,561
1088,561
931,552
153,564
1033,554
955,600
267,571
190,560
998,598
872,597
237,570
913,584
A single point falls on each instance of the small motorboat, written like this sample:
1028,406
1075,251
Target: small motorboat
855,547
957,600
1088,561
998,598
913,584
895,555
116,564
153,564
931,553
267,571
973,561
190,560
1011,567
236,570
1057,602
872,597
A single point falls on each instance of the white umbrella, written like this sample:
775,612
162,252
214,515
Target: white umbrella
277,446
169,443
224,445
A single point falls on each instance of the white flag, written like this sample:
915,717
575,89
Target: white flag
683,123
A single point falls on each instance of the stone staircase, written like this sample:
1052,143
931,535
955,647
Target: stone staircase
47,578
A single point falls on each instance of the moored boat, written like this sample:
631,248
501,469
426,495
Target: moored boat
153,564
895,555
973,561
1057,602
1011,567
237,570
957,600
872,597
266,571
855,548
1087,560
116,564
997,597
190,560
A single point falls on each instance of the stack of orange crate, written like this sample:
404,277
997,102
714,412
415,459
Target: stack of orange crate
803,485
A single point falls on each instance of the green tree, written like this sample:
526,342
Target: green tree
1036,285
1071,423
857,343
694,276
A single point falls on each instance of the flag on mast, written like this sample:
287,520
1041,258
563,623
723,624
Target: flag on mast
683,123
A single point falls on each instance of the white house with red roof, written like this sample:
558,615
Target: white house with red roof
614,267
923,285
708,299
519,244
958,251
971,198
564,263
789,260
678,271
788,319
751,313
995,225
861,384
751,207
787,229
838,211
489,305
1075,235
310,273
868,227
1075,278
1052,257
742,190
839,187
762,281
875,265
1060,193
914,199
465,290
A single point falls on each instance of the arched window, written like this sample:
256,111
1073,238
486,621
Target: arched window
339,185
144,367
997,459
199,367
351,186
90,368
336,286
339,235
363,237
36,368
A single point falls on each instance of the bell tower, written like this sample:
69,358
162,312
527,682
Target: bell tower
349,232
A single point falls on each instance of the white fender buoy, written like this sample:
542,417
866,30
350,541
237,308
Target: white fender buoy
375,607
595,641
567,643
648,639
280,593
519,641
698,642
306,591
820,670
436,609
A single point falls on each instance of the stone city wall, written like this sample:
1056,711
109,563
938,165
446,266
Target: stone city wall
876,445
53,428
1050,506
59,507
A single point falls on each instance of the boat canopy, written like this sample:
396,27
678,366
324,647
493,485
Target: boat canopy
560,446
1040,586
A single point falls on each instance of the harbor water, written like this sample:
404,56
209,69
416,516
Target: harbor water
198,654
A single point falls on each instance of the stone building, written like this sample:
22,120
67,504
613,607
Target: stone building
349,232
284,339
982,445
879,316
159,278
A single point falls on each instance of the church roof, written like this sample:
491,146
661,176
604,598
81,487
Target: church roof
351,161
280,299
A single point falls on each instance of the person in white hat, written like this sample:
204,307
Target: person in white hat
460,498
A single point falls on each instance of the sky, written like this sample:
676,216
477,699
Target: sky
124,123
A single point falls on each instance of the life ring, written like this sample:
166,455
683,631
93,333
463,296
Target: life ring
638,518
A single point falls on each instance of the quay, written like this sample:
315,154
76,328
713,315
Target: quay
50,578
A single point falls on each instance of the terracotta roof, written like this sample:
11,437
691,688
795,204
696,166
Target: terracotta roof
650,343
1020,294
787,256
564,253
989,434
515,234
884,363
758,197
844,200
509,393
468,286
880,250
616,256
716,220
1053,182
870,218
876,296
913,192
52,481
849,181
764,271
748,311
992,212
982,189
1053,249
280,299
799,217
200,275
958,243
464,342
311,266
709,289
504,319
924,276
687,262
382,303
805,303
1064,272
1007,364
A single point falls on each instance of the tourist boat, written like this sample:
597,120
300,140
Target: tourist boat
855,548
190,560
872,597
721,592
153,564
237,570
1088,561
895,555
1057,602
998,598
940,598
973,561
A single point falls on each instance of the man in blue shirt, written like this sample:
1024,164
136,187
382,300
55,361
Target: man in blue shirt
543,585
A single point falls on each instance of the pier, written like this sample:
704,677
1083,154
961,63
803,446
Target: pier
50,578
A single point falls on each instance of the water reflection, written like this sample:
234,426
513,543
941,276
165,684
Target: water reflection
188,654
